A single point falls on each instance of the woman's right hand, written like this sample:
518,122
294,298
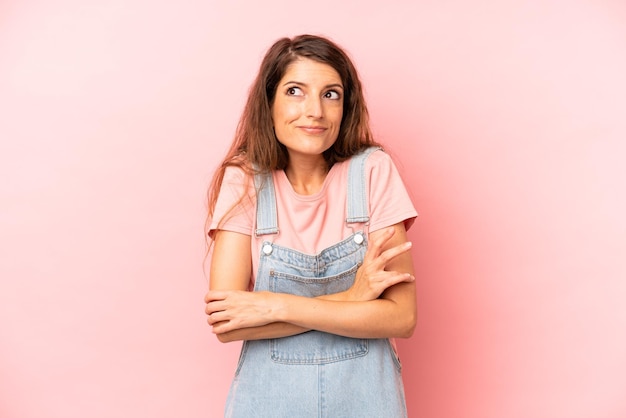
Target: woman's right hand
371,278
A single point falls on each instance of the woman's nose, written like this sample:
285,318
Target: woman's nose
314,107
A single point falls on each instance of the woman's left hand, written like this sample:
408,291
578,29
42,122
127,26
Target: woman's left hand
229,310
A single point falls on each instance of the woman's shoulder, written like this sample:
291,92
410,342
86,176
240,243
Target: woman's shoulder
374,161
379,159
234,171
381,170
236,183
237,174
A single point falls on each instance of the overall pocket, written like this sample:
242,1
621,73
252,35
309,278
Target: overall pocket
314,347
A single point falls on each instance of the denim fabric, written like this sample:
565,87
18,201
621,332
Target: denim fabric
315,374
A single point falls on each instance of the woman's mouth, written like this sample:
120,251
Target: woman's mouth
312,130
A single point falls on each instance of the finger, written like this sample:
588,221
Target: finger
377,245
214,306
388,255
210,295
220,327
217,317
226,326
382,239
380,262
396,278
215,295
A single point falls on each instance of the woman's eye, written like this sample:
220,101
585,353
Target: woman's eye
332,94
294,91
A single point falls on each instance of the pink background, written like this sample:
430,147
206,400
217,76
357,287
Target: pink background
507,118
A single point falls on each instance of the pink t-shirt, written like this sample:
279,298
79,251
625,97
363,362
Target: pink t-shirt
311,223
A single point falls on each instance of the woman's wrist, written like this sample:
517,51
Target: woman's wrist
337,297
280,307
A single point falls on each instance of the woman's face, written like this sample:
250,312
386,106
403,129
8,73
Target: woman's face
308,107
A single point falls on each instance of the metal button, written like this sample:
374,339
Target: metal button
358,238
267,249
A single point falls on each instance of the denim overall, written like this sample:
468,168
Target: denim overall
315,374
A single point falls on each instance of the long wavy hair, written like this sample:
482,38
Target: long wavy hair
255,147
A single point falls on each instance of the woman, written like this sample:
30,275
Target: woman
310,261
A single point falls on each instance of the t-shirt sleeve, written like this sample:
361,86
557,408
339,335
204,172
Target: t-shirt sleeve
389,199
235,206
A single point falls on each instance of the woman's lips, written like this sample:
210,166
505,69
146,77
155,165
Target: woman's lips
313,130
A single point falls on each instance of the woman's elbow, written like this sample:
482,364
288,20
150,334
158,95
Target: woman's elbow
225,338
408,326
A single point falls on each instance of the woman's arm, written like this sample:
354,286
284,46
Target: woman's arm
231,268
387,271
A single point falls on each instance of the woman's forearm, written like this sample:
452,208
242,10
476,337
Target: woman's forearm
373,319
379,318
273,330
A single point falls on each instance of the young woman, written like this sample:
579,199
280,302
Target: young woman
310,262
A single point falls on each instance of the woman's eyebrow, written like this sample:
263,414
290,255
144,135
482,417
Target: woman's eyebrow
299,83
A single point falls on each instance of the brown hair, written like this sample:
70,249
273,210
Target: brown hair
255,147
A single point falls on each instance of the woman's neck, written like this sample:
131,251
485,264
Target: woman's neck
307,175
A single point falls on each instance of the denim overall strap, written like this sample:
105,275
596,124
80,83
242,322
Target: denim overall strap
357,210
266,217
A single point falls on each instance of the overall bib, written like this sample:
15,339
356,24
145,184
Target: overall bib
315,374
